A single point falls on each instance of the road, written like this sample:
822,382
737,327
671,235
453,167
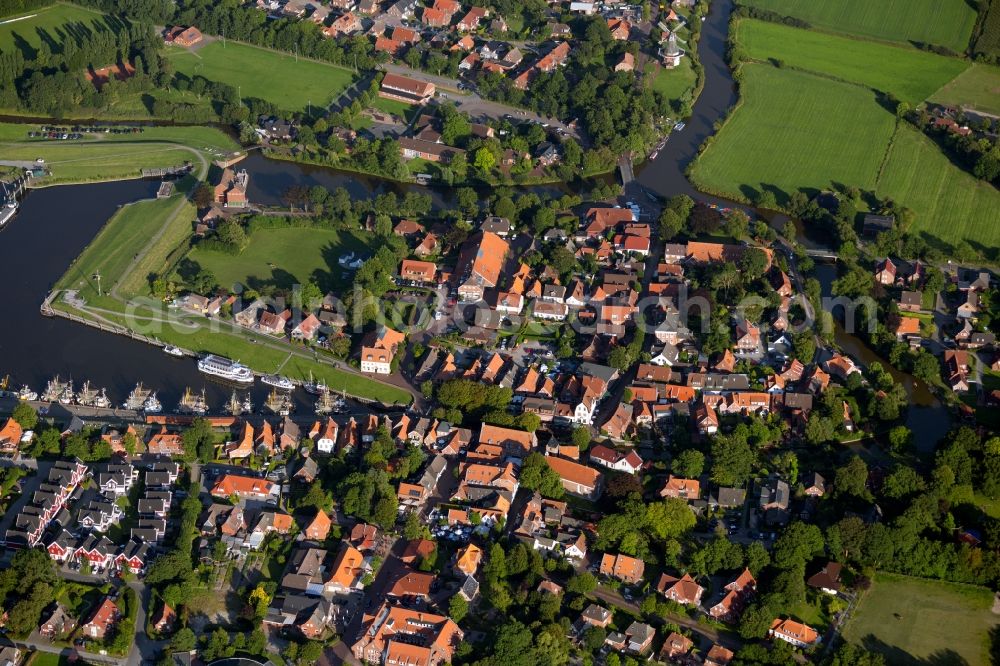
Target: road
474,105
614,598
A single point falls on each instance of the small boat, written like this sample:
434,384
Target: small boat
87,395
173,351
233,405
26,393
151,404
316,387
279,403
67,396
53,389
102,401
277,381
247,406
191,403
136,398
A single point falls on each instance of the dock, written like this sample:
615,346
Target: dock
166,189
167,172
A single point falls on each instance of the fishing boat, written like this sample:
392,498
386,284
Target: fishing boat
192,403
102,401
87,395
324,404
53,389
151,404
26,393
316,387
247,405
233,405
279,403
279,382
173,351
68,395
136,398
227,369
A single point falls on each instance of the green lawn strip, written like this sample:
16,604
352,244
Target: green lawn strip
795,130
160,254
234,343
297,254
978,87
54,23
74,163
950,203
908,74
903,616
674,83
395,107
945,22
119,240
290,83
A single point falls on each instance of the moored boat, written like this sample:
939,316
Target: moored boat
227,369
173,351
151,404
26,393
279,382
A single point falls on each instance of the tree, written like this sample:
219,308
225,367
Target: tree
732,460
458,608
583,584
669,519
581,437
183,641
484,160
232,233
256,642
25,415
852,478
799,543
203,195
689,464
537,475
756,557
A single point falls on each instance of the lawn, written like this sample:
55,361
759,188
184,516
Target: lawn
945,22
396,108
795,131
909,74
98,157
910,619
53,24
283,257
276,77
977,87
950,203
677,82
125,235
48,659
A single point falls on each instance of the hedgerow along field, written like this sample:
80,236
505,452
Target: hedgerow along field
795,130
978,88
988,41
908,74
288,82
950,204
910,619
946,23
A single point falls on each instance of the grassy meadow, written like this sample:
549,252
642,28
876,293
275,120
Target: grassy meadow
283,257
950,203
915,621
269,75
945,22
978,87
54,24
908,74
794,130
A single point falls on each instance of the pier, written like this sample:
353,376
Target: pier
168,172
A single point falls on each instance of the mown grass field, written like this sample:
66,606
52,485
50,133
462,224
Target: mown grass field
98,157
945,22
283,257
675,83
795,131
275,77
977,87
54,23
950,203
111,252
910,619
908,74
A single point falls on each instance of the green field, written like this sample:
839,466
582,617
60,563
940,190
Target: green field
795,131
126,234
945,22
48,659
950,203
909,620
977,87
113,156
283,257
908,74
54,24
275,77
675,83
